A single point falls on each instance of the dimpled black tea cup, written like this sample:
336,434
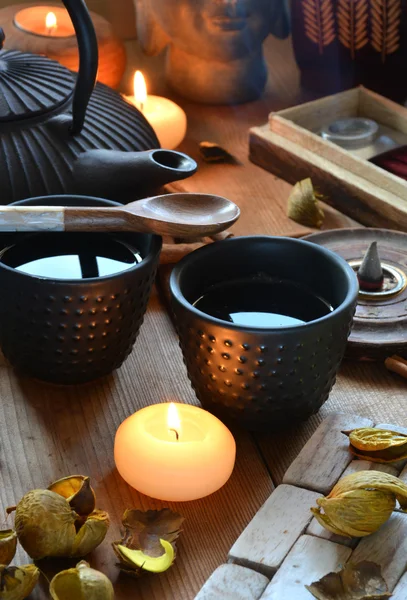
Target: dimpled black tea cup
70,331
263,378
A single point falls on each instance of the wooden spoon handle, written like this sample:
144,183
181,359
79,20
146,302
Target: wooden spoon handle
59,218
32,218
97,218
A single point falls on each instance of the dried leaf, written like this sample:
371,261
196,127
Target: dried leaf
378,445
303,206
213,153
360,503
150,534
361,581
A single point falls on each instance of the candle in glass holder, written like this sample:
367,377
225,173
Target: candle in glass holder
167,119
46,21
48,30
174,452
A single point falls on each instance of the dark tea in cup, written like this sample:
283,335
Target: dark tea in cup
71,255
262,301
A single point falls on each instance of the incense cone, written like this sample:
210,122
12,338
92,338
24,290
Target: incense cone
370,273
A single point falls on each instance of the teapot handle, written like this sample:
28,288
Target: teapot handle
88,61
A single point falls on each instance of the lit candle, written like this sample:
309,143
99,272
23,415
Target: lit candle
51,23
167,119
45,21
174,452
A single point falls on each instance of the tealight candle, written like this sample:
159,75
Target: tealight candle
48,30
174,452
167,119
46,21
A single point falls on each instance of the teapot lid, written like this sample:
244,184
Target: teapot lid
31,85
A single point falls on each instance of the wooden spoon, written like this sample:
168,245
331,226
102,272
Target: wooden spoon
178,215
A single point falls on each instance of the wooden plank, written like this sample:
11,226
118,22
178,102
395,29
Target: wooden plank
54,431
232,582
387,547
400,591
267,539
312,114
343,158
309,560
365,465
347,192
381,109
325,456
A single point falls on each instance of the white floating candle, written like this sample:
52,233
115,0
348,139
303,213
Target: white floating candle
167,119
174,452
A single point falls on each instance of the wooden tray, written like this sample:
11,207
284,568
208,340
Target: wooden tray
284,548
290,147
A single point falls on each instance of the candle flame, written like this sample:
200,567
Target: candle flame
51,21
140,90
173,420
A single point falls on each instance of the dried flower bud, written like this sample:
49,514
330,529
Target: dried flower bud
17,583
8,545
81,582
378,445
46,525
360,503
77,491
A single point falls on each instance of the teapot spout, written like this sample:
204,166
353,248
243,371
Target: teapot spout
126,176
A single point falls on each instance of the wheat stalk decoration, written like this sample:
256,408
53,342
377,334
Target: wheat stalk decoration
352,18
319,22
385,16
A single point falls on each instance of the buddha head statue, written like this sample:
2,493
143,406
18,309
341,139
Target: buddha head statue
214,46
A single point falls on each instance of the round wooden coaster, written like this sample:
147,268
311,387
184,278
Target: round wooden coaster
380,324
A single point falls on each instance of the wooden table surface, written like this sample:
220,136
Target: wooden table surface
49,432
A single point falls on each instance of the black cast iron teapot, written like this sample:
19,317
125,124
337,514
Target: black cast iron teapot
58,136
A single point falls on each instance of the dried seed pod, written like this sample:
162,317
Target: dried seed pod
360,503
77,491
91,534
378,445
149,541
133,562
47,526
17,583
8,545
303,205
81,582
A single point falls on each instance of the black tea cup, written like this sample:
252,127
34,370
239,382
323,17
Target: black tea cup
70,331
263,378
